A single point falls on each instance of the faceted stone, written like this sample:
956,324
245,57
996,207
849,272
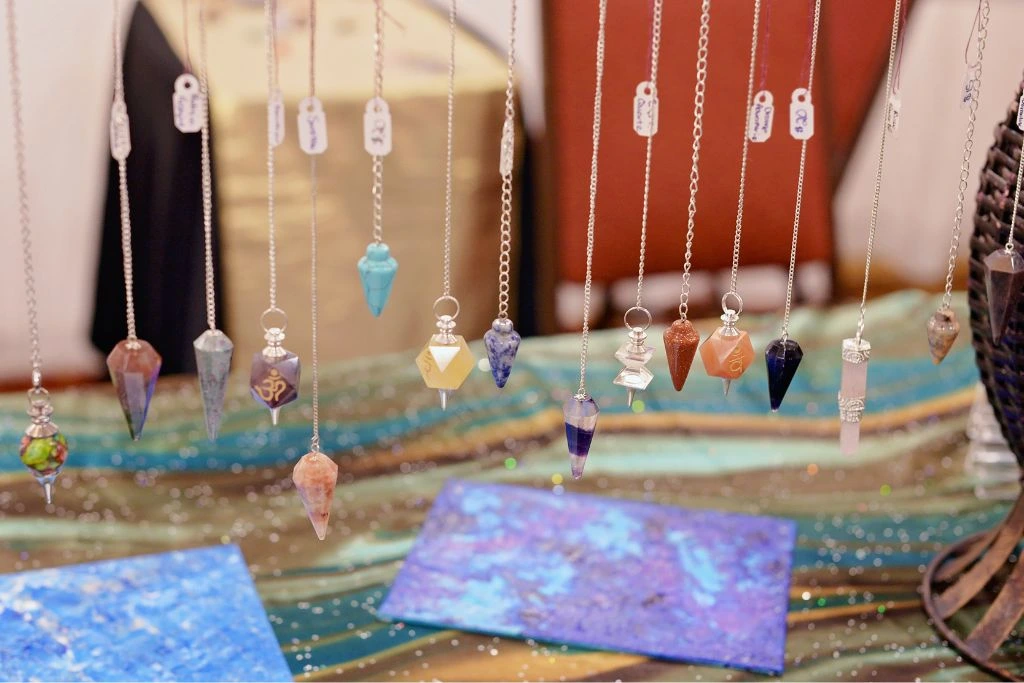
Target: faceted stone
134,366
274,379
782,357
315,476
943,328
580,424
377,272
213,365
502,343
1004,279
634,355
727,355
681,342
445,363
853,386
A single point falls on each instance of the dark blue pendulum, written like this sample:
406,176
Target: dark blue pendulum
502,342
580,424
783,357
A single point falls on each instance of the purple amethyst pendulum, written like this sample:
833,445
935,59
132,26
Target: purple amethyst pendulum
580,424
274,377
782,356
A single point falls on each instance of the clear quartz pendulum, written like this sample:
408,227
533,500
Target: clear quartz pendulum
502,340
681,337
446,361
728,352
43,449
274,376
213,348
133,363
635,354
943,327
782,356
377,268
315,475
580,411
856,351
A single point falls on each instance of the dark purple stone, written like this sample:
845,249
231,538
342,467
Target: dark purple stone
1004,279
782,356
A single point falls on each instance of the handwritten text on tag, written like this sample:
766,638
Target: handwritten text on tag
189,105
377,128
645,109
1020,113
275,119
892,119
967,91
120,135
762,114
801,115
312,126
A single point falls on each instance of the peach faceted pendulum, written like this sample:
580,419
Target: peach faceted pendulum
681,337
856,351
727,353
315,475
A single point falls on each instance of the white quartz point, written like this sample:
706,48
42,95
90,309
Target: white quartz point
852,391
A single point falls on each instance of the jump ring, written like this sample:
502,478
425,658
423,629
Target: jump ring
37,393
638,309
272,311
739,302
449,299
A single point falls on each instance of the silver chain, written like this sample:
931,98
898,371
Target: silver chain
184,36
698,132
452,14
378,94
873,224
505,255
981,21
24,217
591,218
207,179
122,185
746,145
655,48
270,40
800,177
314,442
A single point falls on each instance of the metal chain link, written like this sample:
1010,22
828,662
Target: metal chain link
800,177
270,43
505,254
24,215
698,132
746,145
981,21
378,94
602,16
122,185
873,223
314,442
207,178
655,48
452,13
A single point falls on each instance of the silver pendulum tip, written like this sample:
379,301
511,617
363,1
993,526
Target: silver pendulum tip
630,395
48,490
274,413
444,394
726,383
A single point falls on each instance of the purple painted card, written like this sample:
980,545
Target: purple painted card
692,585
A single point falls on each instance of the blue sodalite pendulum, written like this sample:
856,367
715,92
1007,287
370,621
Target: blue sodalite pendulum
377,272
580,424
502,342
782,357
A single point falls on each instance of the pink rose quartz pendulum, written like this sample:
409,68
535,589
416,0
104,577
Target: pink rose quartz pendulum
315,475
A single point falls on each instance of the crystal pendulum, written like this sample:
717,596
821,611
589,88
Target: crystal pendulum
377,269
43,449
133,363
580,411
782,356
446,361
635,354
502,340
315,475
213,348
274,377
943,327
681,337
728,352
856,351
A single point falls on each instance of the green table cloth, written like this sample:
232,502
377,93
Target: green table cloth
867,525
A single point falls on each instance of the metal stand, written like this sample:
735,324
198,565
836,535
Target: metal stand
968,573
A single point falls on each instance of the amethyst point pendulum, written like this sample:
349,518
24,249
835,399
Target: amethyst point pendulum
782,356
1004,279
274,378
580,413
502,343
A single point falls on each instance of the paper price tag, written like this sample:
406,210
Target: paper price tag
275,119
762,115
892,118
377,128
1020,113
645,109
966,91
189,104
120,134
801,115
508,148
312,126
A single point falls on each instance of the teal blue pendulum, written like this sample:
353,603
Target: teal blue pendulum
377,268
783,355
502,340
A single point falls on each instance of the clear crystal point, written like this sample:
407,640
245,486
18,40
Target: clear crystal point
213,365
576,465
852,392
134,366
315,477
634,355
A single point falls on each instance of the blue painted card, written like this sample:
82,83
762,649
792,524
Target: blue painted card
691,585
192,615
